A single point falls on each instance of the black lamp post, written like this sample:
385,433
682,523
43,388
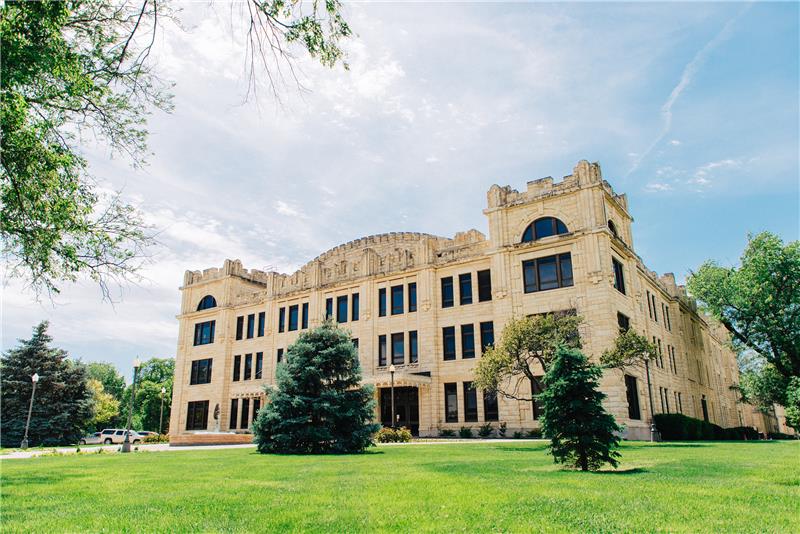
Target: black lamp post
391,373
126,445
161,416
24,444
653,429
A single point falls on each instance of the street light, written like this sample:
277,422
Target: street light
161,417
24,444
391,373
126,445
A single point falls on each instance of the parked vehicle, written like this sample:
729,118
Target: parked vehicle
91,439
117,435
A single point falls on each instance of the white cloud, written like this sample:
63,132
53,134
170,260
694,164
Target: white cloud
285,209
657,187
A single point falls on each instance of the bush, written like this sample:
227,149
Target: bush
780,435
679,427
465,432
485,431
503,429
534,434
447,433
742,433
393,435
517,435
156,438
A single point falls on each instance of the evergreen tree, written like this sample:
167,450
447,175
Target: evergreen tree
319,405
63,406
582,434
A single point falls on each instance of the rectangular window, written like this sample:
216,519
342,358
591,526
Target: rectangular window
355,343
537,389
470,403
467,341
256,408
546,273
649,306
201,372
197,415
412,297
259,365
655,310
293,313
465,288
449,342
245,421
237,365
623,322
487,335
354,312
304,318
251,325
248,366
447,292
397,300
382,302
398,349
413,351
680,403
234,417
341,309
329,308
451,402
484,285
281,319
204,333
261,317
632,392
381,351
666,318
619,276
666,399
280,356
239,327
490,408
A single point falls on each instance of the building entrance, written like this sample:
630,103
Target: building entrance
406,407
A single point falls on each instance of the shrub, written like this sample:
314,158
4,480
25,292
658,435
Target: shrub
534,434
679,427
517,435
780,435
485,431
393,435
465,432
447,433
742,433
502,429
156,438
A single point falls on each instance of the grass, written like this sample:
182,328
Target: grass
506,487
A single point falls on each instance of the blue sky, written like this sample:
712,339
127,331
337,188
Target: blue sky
691,109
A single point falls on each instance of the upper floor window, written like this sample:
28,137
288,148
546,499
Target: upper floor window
397,300
465,288
261,318
239,327
281,319
237,367
447,292
294,311
484,285
613,228
381,350
382,302
279,356
550,272
398,349
341,309
259,365
412,297
204,333
354,312
413,351
201,372
623,322
544,227
207,302
467,341
251,325
487,335
329,308
449,342
619,276
304,320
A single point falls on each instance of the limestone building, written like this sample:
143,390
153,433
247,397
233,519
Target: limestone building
428,305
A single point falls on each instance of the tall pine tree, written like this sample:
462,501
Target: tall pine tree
63,405
319,405
582,434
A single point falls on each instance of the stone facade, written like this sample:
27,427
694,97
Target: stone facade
698,369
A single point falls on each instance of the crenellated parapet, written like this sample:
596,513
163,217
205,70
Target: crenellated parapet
229,268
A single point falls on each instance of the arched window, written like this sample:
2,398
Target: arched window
207,302
544,227
613,228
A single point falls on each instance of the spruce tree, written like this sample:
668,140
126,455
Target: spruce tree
319,405
63,405
582,434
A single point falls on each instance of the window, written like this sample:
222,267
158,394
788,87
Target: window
619,276
655,310
381,351
234,414
623,322
412,297
281,319
355,343
449,342
382,302
329,308
279,357
293,313
546,273
467,341
397,300
251,326
660,353
487,335
490,408
632,393
465,288
680,402
245,421
261,317
240,327
206,303
666,399
204,333
413,351
256,407
484,285
470,403
197,415
451,402
613,228
304,318
237,364
447,292
355,304
666,318
544,227
248,366
341,309
398,349
649,306
259,365
537,389
704,407
201,372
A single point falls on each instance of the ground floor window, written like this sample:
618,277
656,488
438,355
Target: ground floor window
451,402
537,404
490,408
245,414
197,415
234,414
632,393
470,403
704,406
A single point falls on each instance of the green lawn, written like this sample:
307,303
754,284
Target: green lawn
497,487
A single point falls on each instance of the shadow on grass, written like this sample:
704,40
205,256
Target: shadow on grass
534,448
630,471
368,452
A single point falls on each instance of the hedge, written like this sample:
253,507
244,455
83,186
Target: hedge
678,427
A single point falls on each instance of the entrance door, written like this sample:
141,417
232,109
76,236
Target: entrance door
406,407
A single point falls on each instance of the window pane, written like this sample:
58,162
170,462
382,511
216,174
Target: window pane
279,357
234,416
261,317
398,354
447,292
619,276
259,365
451,403
529,276
565,264
544,227
281,319
382,302
329,308
381,351
356,302
470,403
484,285
527,236
341,309
490,408
245,421
293,312
487,334
304,319
237,363
547,273
465,288
537,404
397,300
412,297
239,327
449,342
248,366
251,325
467,341
413,354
